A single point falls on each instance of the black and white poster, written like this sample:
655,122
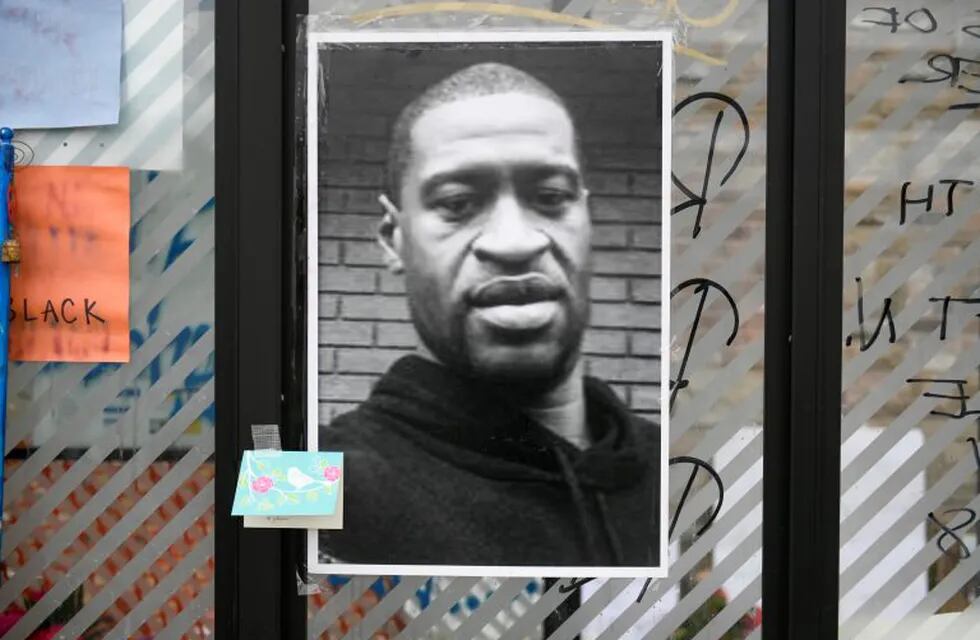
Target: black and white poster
487,305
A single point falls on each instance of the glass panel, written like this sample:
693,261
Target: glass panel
714,587
910,467
109,502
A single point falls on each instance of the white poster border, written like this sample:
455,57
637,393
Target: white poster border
314,42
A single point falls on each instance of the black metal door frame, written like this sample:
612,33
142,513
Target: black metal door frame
804,263
260,342
256,297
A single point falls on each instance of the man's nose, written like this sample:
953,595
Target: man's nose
510,235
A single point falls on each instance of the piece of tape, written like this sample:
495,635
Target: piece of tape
266,436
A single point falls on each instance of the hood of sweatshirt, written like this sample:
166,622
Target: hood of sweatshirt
420,406
476,427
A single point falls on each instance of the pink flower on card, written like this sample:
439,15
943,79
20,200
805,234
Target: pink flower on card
332,474
262,484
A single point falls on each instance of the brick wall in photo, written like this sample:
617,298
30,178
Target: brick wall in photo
614,97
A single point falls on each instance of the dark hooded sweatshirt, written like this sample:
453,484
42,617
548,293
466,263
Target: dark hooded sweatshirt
439,470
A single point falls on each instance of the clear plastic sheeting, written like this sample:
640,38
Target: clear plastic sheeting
714,586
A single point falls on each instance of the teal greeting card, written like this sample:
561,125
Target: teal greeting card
288,483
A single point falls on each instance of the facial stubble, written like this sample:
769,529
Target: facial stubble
452,340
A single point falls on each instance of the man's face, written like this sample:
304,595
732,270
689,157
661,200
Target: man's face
494,235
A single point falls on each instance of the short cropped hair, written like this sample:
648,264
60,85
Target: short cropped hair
484,79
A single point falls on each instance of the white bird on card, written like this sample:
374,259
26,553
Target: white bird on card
297,478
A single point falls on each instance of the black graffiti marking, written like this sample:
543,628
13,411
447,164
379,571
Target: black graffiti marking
701,285
952,73
950,532
955,70
927,14
697,464
960,396
893,23
701,200
972,29
574,585
946,302
643,591
886,314
964,551
927,200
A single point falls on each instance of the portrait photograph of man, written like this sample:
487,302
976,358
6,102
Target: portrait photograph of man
486,325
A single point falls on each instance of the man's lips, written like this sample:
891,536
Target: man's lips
515,290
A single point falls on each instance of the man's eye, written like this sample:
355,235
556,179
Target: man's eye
459,206
552,200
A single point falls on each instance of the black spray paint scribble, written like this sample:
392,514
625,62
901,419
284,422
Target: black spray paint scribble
960,396
960,72
696,466
948,301
910,196
921,19
927,200
701,286
886,315
700,199
949,530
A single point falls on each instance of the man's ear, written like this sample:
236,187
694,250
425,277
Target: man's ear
390,236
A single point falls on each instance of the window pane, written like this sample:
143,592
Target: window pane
909,478
109,501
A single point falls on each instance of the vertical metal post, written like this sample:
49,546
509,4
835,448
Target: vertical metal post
293,423
804,267
6,180
255,577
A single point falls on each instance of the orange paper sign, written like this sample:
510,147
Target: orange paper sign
69,296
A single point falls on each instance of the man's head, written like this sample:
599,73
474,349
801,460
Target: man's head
491,225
